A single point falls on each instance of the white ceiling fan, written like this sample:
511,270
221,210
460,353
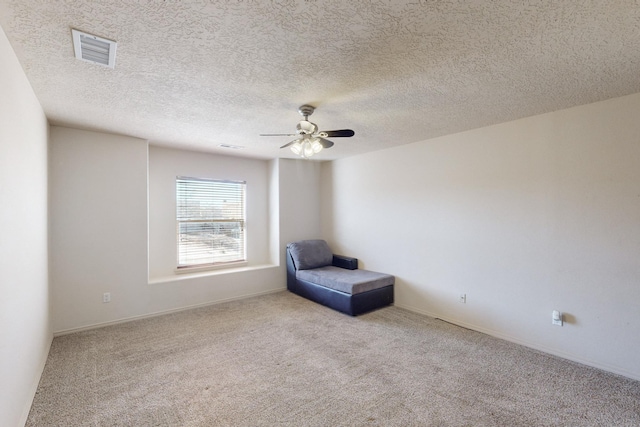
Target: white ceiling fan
309,140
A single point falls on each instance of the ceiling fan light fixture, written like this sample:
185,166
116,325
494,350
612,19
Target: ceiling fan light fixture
297,147
316,145
306,147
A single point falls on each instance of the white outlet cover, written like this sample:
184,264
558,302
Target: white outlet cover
556,318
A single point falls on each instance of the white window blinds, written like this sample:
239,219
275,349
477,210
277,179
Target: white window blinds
210,221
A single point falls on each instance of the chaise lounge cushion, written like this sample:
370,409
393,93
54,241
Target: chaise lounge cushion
347,281
309,254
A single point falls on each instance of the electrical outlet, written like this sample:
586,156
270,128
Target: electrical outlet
556,318
106,297
463,298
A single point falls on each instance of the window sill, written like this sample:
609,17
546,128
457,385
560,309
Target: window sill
210,267
196,274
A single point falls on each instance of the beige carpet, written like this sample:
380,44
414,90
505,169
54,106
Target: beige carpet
280,360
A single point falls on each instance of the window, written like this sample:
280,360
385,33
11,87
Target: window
210,222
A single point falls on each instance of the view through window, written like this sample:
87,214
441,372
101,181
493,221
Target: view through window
210,221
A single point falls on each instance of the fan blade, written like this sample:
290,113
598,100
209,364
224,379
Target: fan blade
278,134
325,143
289,144
338,133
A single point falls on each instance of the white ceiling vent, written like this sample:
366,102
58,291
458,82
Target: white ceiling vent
94,49
232,147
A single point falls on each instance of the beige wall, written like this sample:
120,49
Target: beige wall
165,165
98,232
523,217
299,201
25,326
104,234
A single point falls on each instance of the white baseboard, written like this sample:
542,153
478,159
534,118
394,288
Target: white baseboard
574,358
161,313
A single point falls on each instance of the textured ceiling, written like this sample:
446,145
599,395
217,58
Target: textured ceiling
196,74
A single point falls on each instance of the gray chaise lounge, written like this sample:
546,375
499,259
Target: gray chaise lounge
315,273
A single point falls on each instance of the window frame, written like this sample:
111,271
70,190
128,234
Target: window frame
216,199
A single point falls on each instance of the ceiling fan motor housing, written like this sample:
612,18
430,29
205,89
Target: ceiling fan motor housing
306,128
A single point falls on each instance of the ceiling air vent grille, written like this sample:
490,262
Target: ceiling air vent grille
233,147
94,49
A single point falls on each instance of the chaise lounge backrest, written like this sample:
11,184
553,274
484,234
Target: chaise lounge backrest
308,254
